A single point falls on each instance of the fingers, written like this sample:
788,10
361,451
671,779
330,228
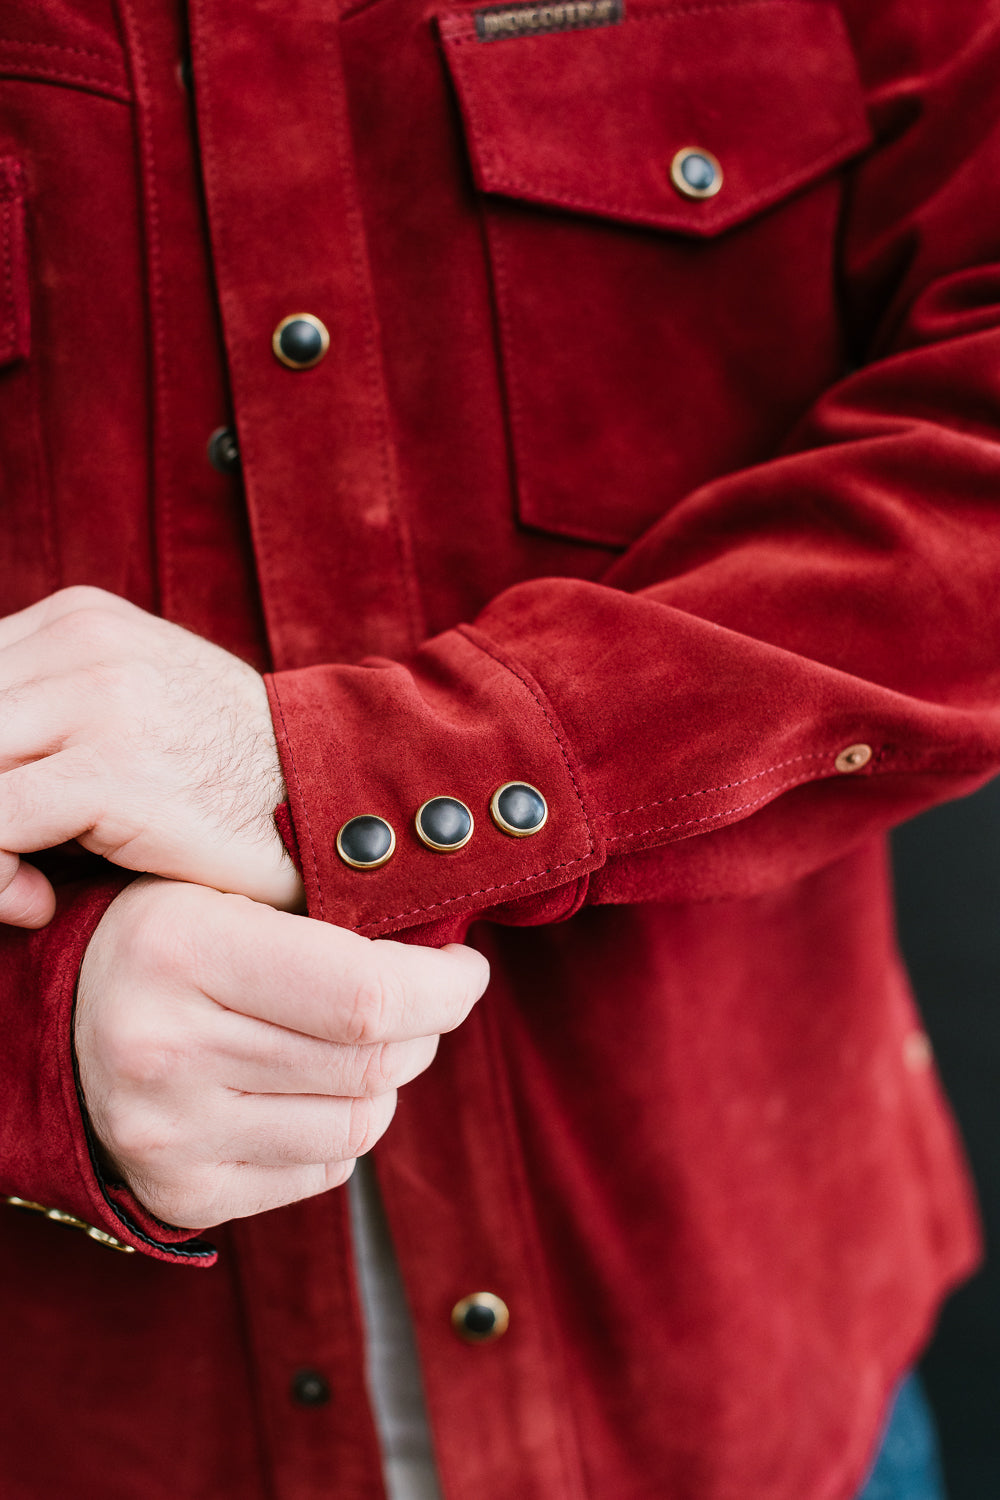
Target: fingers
31,723
152,746
258,1130
268,1130
332,983
198,1202
50,801
267,1059
215,1105
41,710
26,897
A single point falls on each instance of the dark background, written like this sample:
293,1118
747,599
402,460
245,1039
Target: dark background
947,865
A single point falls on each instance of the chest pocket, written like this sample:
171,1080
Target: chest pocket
661,211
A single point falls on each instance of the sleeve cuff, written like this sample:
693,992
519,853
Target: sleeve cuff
49,1165
380,741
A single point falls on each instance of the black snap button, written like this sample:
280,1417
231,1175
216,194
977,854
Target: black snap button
309,1388
518,809
224,451
480,1317
696,173
300,341
444,823
366,842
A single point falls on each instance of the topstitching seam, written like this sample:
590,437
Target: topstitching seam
108,88
727,786
10,318
487,650
19,46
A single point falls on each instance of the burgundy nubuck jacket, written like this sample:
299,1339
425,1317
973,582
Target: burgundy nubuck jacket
654,462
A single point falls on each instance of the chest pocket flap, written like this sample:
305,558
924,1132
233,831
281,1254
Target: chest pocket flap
594,118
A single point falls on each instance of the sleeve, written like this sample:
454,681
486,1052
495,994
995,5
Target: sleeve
794,658
47,1161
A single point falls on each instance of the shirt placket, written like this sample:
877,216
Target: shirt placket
301,332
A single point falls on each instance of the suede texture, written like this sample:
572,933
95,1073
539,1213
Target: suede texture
658,504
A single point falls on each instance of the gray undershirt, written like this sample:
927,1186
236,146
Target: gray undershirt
392,1370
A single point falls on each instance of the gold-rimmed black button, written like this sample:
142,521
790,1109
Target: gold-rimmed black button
300,341
365,842
696,173
518,809
444,823
480,1317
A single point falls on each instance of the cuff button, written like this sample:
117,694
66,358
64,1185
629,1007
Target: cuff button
444,823
853,758
519,809
366,842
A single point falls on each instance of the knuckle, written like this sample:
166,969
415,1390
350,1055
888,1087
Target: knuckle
91,625
132,1054
368,1120
361,1134
371,1002
158,942
293,1186
193,1203
150,1062
80,596
105,680
83,763
378,1069
140,1138
21,800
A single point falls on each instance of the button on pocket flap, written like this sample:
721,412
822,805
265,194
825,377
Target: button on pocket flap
688,117
14,306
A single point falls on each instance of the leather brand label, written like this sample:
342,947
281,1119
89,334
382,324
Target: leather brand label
497,22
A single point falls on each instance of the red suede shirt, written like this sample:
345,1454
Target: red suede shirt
658,502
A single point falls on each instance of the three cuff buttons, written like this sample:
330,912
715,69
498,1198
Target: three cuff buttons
443,824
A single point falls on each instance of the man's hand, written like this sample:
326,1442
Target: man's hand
148,744
234,1058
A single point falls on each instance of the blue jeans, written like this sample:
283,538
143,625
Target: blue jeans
907,1466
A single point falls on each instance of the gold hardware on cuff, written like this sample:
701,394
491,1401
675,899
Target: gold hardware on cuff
60,1216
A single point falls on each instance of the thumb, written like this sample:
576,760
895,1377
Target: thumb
26,897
